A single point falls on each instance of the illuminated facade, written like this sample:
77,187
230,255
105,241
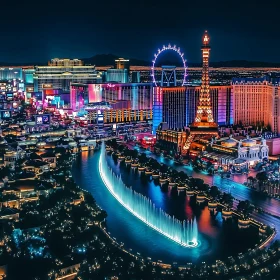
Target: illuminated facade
120,116
222,103
257,102
116,75
65,62
83,94
28,75
157,108
139,94
170,140
61,73
184,108
10,73
237,155
174,107
122,63
204,124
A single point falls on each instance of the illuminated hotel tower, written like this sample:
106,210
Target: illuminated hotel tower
203,124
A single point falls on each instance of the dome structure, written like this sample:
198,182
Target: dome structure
229,143
248,142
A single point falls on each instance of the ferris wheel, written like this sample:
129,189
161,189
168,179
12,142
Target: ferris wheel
167,48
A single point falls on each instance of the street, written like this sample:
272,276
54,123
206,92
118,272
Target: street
232,185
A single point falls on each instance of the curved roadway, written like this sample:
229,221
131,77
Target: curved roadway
238,190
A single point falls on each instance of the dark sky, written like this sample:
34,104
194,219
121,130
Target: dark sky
35,31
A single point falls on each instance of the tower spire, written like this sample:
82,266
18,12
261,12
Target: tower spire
203,124
204,108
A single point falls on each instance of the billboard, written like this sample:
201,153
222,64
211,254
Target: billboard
100,119
21,86
29,89
15,105
9,96
94,93
47,86
5,114
43,119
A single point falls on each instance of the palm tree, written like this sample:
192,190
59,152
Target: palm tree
214,192
142,158
227,199
262,178
250,180
245,207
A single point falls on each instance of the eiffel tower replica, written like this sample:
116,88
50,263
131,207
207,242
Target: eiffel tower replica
204,124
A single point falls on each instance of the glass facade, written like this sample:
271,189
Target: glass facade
139,95
79,97
117,75
174,107
11,73
221,99
157,108
256,102
60,77
28,75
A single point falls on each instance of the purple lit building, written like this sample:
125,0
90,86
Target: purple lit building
222,103
177,105
139,94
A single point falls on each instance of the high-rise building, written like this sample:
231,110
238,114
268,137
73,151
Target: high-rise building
257,102
10,73
122,63
140,95
204,124
61,72
28,75
221,99
174,107
120,73
116,76
135,77
83,94
65,62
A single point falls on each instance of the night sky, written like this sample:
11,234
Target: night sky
35,31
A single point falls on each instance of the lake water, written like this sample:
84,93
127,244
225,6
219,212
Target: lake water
217,239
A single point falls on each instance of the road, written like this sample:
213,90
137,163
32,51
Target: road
232,185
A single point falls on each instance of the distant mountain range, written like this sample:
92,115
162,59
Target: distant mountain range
109,60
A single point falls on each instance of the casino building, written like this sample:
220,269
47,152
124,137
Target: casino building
237,155
257,102
61,72
177,105
139,94
222,103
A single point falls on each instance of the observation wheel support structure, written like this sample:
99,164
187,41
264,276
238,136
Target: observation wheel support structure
168,74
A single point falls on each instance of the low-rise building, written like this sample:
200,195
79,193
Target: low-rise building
170,140
10,158
238,155
274,146
36,166
50,158
9,213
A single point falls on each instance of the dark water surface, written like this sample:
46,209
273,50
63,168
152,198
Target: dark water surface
218,239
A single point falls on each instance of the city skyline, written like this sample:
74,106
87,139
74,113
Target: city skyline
137,172
240,31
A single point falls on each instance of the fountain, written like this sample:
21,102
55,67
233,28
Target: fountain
184,233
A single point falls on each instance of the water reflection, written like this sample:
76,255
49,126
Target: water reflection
218,239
